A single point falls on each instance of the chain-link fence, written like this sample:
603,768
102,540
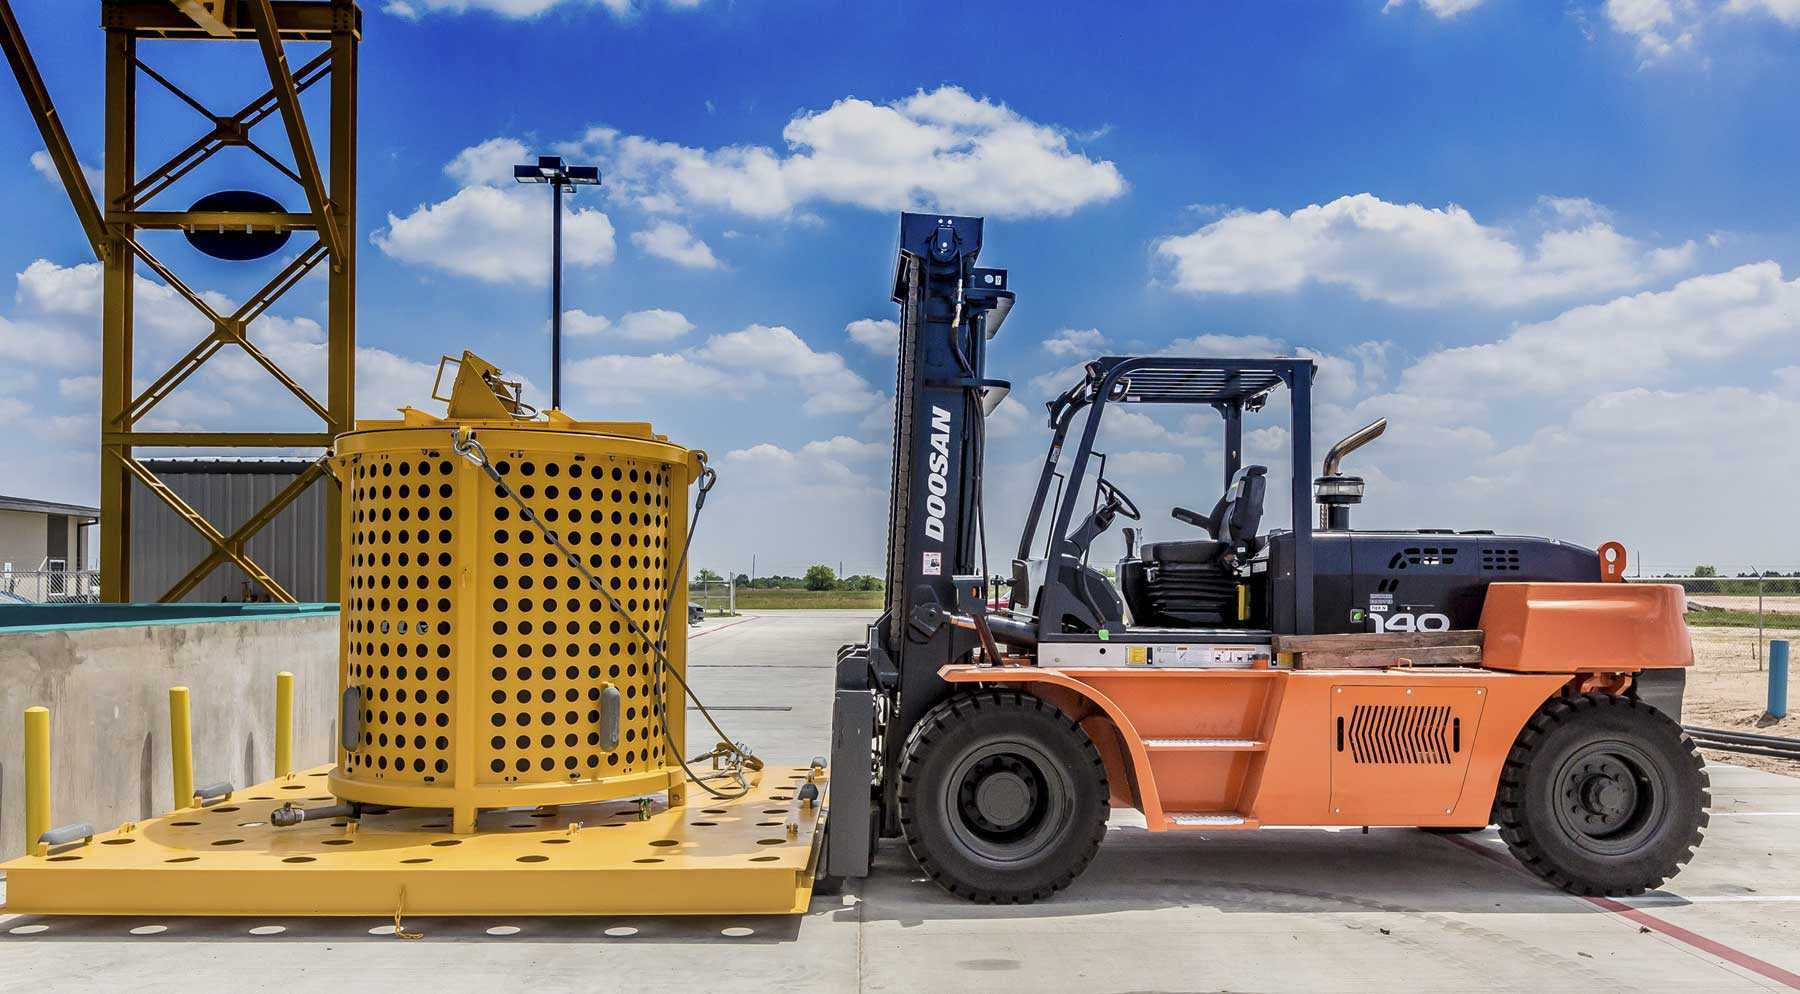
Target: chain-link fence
715,598
49,586
1771,596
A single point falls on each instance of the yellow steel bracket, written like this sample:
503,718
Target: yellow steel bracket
479,393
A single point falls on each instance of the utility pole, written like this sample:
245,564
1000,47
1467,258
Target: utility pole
550,169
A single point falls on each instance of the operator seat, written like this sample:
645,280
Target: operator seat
1232,524
1192,583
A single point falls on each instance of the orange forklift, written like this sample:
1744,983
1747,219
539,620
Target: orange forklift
1228,676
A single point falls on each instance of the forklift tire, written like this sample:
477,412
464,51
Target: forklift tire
1603,795
1003,799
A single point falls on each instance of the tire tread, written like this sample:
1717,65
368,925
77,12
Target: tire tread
1516,830
931,728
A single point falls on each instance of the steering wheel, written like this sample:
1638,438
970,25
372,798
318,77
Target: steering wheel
1116,499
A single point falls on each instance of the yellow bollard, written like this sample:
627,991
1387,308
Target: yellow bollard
181,747
284,724
37,776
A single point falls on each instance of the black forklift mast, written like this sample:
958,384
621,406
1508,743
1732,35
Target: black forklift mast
949,308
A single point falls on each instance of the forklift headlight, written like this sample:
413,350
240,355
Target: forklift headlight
1339,489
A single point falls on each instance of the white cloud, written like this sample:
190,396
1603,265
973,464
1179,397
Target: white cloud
46,344
879,335
1785,11
654,325
753,360
1628,341
1573,209
47,288
838,463
1660,27
413,10
489,163
776,351
631,378
1076,343
1222,346
1664,28
1053,383
942,149
493,229
671,241
1441,8
46,167
1129,425
1410,255
79,388
1145,463
580,323
57,327
1007,421
494,234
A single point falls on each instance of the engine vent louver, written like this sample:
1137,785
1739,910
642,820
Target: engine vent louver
1426,556
1399,734
1500,560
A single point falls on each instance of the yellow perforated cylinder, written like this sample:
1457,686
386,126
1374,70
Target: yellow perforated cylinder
481,658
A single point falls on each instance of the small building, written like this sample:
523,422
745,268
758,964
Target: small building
44,550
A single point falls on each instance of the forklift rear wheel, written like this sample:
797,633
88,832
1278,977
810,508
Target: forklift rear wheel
1603,795
1003,798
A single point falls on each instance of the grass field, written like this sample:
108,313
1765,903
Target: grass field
773,600
1742,619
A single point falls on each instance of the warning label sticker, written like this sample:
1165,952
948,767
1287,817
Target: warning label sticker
934,564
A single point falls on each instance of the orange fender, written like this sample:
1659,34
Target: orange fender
1149,801
1585,627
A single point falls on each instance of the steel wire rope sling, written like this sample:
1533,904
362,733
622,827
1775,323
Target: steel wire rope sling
736,756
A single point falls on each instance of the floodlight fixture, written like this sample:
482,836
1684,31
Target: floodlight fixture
551,171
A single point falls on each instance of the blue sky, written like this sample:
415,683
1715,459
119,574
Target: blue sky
1554,242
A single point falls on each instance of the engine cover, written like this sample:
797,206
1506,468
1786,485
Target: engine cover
1394,581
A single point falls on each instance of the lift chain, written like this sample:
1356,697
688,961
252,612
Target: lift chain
732,760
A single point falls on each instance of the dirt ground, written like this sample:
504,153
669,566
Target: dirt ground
1725,689
1784,603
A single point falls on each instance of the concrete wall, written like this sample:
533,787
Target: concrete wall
107,690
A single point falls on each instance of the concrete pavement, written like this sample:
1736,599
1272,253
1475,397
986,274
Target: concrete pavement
1264,911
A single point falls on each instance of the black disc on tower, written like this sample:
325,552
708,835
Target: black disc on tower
237,244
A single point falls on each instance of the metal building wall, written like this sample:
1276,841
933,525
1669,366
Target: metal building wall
226,492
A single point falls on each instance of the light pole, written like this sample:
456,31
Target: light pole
550,169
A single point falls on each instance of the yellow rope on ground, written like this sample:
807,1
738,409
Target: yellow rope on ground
400,931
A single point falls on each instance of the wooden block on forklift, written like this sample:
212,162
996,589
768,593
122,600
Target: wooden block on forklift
1436,655
1357,641
754,855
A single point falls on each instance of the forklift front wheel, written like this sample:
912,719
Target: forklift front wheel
1003,798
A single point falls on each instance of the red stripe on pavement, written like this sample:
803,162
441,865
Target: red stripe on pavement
1712,947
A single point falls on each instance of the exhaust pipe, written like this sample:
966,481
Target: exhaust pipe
1336,491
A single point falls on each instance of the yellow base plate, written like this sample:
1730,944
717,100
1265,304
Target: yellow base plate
754,855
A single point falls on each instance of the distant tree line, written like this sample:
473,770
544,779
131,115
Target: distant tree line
817,577
1744,583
